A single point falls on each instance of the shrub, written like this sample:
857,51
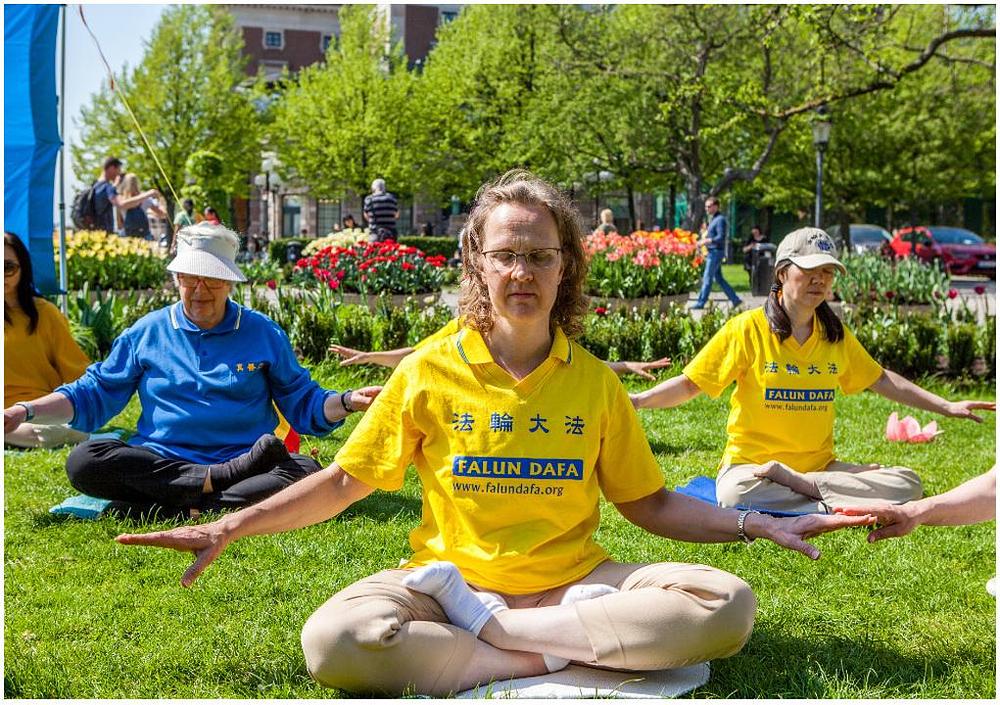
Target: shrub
960,347
432,246
277,250
105,261
641,265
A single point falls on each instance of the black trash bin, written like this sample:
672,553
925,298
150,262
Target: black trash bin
293,252
762,268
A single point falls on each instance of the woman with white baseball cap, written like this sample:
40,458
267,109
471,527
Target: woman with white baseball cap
209,374
788,360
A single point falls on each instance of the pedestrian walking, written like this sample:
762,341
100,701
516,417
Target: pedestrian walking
715,241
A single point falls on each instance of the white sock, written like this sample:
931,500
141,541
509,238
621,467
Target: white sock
444,583
577,593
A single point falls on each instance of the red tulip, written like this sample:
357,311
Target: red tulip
601,311
980,289
952,293
890,295
271,284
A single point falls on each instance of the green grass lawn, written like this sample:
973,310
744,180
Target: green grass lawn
88,618
736,276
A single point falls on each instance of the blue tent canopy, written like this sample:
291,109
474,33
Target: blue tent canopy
31,133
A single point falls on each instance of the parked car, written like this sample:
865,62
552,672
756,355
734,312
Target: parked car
864,237
960,251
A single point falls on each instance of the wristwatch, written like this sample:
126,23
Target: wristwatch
345,401
29,409
741,529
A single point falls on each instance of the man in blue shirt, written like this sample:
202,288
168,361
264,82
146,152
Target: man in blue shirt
715,242
210,374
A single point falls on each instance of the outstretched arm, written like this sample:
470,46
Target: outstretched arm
311,500
675,516
54,408
970,503
638,368
897,388
386,358
673,392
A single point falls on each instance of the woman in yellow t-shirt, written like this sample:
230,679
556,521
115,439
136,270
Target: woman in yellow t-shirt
39,352
788,360
515,432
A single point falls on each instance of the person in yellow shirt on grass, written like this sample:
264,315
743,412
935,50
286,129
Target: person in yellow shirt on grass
788,360
515,431
39,352
391,358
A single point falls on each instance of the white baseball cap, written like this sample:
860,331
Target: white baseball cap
207,250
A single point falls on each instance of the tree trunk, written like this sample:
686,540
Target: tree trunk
671,208
631,207
845,230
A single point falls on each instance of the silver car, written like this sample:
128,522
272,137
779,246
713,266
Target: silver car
864,237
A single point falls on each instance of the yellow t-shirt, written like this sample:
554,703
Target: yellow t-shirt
782,408
449,328
511,471
35,364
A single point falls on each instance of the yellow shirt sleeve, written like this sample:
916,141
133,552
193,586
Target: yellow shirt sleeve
722,360
64,354
862,370
626,468
383,443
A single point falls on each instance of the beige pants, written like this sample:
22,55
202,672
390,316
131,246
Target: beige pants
839,485
377,636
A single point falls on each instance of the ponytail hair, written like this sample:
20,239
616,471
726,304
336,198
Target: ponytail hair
781,325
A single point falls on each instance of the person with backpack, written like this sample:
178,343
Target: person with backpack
93,209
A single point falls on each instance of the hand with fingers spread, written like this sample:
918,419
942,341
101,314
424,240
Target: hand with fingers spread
891,520
964,409
385,358
206,542
639,368
350,355
792,532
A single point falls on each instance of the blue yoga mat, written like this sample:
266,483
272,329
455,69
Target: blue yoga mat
703,488
82,507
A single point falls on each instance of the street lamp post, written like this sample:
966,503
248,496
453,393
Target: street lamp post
821,138
266,181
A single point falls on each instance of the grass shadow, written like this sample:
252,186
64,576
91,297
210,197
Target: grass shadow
775,664
661,446
384,506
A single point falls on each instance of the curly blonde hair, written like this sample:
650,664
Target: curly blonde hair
524,188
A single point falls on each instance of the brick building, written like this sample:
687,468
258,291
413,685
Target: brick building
279,37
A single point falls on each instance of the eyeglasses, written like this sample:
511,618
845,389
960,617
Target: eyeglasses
190,281
541,259
10,268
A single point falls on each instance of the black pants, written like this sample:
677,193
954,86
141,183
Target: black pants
114,470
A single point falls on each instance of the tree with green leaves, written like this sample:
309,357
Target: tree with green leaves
732,79
342,123
189,93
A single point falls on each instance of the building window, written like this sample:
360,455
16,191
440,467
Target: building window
325,42
447,17
327,216
274,39
291,216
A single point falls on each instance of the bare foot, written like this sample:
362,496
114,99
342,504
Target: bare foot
784,475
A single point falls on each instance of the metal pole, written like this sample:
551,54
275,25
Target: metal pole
63,276
819,187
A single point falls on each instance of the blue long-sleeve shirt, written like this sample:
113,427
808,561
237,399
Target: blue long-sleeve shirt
205,394
717,232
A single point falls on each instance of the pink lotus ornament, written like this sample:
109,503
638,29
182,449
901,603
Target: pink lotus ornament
909,430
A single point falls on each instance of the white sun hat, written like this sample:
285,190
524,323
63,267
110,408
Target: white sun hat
207,250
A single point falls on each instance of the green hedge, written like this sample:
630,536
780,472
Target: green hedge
431,246
277,250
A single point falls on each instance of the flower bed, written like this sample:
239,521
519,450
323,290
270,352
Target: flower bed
871,277
642,264
103,261
344,238
375,267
